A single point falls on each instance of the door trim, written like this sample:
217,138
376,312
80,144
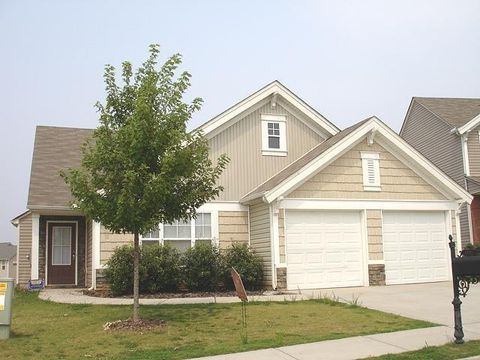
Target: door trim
76,246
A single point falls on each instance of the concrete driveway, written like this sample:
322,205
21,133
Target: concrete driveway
429,302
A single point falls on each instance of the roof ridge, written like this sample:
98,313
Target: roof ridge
63,127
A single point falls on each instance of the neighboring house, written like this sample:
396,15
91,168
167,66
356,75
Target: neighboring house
447,132
322,207
8,260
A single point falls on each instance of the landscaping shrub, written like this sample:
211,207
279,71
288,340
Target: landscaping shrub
203,268
247,263
162,269
159,270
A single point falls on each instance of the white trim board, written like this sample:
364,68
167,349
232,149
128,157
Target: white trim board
35,246
472,124
346,204
387,135
274,87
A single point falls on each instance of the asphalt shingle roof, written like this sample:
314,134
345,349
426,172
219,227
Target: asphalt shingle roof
7,251
55,148
455,111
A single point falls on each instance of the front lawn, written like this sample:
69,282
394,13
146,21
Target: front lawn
446,352
47,330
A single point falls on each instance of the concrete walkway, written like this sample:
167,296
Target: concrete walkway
355,347
429,302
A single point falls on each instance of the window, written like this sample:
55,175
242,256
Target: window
62,245
371,171
203,226
3,265
182,234
274,139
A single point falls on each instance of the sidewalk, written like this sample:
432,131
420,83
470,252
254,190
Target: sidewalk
358,347
75,296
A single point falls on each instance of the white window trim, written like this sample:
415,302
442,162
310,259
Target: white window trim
366,157
282,121
214,230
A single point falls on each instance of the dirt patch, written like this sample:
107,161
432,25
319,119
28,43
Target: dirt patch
108,294
130,325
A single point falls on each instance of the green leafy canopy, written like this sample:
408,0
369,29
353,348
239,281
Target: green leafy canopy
141,166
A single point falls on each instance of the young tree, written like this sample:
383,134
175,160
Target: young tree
141,166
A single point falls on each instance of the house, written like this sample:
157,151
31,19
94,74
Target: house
322,207
447,132
8,260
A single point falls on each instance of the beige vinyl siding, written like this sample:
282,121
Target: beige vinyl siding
374,231
473,145
24,249
260,237
242,142
281,235
232,227
433,138
343,179
110,241
88,262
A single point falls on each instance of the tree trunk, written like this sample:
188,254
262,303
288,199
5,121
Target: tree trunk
136,277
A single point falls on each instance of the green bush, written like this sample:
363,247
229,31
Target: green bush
203,268
159,270
162,269
247,263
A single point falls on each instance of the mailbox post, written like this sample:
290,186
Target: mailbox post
6,292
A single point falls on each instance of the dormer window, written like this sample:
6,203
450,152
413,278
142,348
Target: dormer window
371,171
274,137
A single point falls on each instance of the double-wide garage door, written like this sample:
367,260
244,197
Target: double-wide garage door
415,247
325,248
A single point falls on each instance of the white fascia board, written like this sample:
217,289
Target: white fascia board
222,206
348,204
258,96
339,148
472,124
418,158
322,160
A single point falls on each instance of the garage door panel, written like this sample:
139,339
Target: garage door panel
418,254
331,247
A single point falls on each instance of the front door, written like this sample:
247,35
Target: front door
61,253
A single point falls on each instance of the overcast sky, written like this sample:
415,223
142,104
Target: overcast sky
348,59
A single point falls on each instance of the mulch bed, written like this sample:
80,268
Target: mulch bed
130,325
105,293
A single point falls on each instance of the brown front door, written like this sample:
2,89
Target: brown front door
475,212
61,253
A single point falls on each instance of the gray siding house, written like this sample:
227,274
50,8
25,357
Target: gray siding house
447,132
323,207
8,260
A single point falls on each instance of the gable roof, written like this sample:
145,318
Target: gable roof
275,88
321,156
7,251
300,163
454,111
55,148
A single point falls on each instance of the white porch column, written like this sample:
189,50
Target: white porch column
35,246
96,226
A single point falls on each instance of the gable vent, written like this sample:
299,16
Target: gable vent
371,171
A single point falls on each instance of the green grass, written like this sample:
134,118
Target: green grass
445,352
46,330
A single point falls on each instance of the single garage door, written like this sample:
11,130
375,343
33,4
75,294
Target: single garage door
324,249
415,247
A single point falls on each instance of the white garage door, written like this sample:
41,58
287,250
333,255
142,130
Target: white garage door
324,249
415,247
